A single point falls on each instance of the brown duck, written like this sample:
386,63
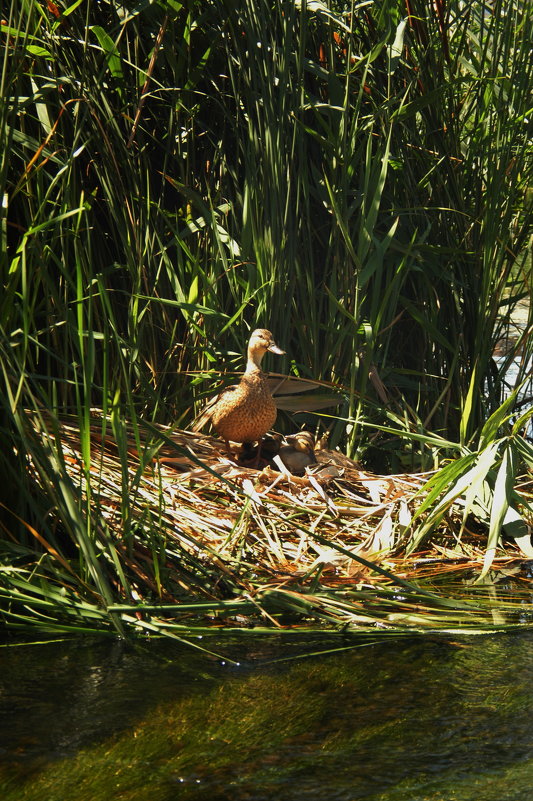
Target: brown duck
244,412
298,452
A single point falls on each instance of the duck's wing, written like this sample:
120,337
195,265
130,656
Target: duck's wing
207,412
203,418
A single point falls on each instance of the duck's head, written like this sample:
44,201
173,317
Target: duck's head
261,340
303,441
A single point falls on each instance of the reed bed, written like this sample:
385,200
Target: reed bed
188,541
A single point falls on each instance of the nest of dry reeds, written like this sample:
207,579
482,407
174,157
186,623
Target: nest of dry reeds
179,536
337,518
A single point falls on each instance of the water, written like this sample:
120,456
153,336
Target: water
399,720
520,367
515,371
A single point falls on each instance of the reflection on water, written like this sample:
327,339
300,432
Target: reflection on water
402,720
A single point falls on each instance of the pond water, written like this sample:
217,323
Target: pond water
396,720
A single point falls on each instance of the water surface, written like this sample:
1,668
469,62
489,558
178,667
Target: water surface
429,719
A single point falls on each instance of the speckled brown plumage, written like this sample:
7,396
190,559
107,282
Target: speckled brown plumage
245,411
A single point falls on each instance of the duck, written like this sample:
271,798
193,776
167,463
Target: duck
294,452
244,412
298,452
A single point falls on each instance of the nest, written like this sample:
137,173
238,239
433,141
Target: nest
191,539
337,518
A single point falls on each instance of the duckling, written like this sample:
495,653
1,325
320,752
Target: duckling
299,452
244,412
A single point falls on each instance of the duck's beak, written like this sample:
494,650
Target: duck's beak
273,348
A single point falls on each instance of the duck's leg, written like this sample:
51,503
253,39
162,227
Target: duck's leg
258,455
250,456
232,453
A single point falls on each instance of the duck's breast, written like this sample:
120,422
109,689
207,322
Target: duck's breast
247,412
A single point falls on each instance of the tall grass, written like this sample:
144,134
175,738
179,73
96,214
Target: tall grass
378,153
353,176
